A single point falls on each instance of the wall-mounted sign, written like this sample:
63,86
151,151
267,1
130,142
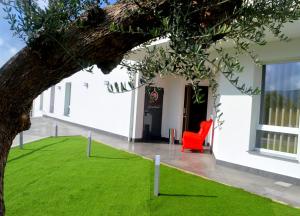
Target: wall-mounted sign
153,96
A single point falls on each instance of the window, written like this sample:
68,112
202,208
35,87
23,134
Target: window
280,109
52,99
67,99
41,101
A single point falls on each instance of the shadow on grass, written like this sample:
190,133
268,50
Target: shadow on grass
115,158
35,150
188,195
32,149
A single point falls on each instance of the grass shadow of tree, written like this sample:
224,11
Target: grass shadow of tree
32,151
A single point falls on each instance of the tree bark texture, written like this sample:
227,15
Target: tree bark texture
42,65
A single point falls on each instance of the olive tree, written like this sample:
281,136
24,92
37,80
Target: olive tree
70,35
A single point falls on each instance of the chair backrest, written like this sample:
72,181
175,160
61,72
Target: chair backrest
204,127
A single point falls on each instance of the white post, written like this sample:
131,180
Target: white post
89,144
156,175
21,140
55,130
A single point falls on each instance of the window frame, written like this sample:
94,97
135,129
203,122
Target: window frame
272,128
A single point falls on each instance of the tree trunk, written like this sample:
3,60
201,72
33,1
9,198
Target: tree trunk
13,120
5,142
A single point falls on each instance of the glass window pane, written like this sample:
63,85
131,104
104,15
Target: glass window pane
281,95
277,141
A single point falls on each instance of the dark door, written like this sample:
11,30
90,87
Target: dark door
153,113
193,112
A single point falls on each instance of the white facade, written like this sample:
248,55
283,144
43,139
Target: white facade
91,104
122,114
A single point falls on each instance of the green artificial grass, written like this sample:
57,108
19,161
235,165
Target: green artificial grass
54,177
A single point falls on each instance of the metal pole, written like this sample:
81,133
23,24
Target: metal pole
212,135
21,140
55,130
156,175
89,144
172,135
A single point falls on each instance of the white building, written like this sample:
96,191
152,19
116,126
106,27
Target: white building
260,133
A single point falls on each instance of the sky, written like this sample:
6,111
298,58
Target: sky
9,44
283,77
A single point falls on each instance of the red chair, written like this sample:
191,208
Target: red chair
195,141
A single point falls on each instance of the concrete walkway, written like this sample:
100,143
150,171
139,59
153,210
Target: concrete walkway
200,164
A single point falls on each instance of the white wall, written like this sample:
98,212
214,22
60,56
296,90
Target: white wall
235,140
93,106
36,108
173,106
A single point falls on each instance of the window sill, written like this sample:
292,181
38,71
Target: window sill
274,156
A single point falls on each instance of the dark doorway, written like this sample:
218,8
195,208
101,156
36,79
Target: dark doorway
153,113
194,113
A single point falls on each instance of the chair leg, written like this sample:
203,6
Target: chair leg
182,149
